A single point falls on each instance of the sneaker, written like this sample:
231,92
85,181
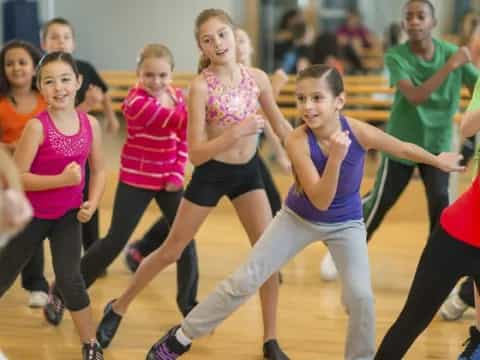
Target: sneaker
453,308
92,351
37,299
272,351
168,347
54,308
328,270
133,258
108,326
472,349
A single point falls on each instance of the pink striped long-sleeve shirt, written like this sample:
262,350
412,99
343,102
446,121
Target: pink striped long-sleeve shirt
155,151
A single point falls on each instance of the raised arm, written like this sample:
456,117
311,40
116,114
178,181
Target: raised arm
145,111
200,148
371,137
470,124
96,184
320,189
421,93
269,106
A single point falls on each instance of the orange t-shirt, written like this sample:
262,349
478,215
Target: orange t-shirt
12,122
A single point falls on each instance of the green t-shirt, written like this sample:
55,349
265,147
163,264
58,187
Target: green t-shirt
429,124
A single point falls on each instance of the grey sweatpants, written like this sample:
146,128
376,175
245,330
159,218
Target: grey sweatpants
285,237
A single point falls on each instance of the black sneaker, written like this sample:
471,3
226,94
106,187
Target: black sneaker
108,325
133,258
92,351
53,310
472,349
272,351
168,347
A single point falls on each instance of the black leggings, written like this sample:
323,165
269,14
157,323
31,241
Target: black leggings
392,178
159,231
33,278
65,243
129,205
443,262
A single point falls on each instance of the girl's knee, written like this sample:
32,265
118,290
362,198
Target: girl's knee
73,291
359,297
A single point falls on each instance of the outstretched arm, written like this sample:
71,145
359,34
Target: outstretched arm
371,137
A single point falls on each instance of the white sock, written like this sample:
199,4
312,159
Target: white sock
182,338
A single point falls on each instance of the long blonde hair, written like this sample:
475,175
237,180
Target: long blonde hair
201,19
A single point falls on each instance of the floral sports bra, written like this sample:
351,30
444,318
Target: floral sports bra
227,105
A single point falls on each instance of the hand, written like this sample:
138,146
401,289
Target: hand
16,211
72,174
86,211
284,162
171,187
93,97
461,57
339,145
279,79
112,125
254,124
448,162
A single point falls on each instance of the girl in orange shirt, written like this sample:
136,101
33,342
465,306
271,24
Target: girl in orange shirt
19,99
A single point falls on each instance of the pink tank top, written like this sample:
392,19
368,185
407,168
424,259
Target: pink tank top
227,105
56,152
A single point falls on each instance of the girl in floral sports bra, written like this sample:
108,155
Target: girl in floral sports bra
222,139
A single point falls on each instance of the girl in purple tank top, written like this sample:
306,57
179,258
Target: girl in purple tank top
51,156
327,154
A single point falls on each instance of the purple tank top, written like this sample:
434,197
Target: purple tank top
346,204
56,152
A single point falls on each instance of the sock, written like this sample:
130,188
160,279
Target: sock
182,338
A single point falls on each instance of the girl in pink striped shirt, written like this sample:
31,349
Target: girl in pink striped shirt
152,167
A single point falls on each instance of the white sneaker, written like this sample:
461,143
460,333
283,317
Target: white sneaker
453,308
328,270
2,356
37,299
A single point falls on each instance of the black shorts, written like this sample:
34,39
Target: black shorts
213,179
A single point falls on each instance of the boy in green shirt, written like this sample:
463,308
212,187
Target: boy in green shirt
428,74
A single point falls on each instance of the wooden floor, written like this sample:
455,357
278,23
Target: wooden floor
311,319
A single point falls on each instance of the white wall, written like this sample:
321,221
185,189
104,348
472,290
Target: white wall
109,33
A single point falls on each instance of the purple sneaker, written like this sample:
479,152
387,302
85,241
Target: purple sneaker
168,347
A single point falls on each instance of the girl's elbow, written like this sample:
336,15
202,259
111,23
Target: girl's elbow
195,159
322,205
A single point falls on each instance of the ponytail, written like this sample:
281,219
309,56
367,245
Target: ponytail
203,63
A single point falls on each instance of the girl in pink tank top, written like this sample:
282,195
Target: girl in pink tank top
51,157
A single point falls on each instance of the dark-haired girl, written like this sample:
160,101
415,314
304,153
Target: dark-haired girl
51,156
327,154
